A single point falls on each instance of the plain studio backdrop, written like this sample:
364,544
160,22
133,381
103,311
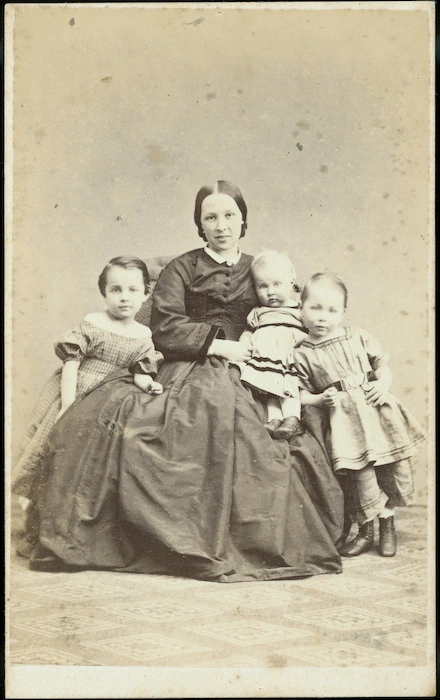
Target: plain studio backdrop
321,116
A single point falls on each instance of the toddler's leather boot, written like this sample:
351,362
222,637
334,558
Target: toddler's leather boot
387,537
272,426
363,541
289,428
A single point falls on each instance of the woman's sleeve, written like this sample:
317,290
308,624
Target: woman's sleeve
376,353
175,334
73,345
148,361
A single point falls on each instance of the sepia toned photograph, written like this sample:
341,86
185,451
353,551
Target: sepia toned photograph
219,381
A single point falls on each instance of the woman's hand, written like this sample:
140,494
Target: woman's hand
231,350
147,384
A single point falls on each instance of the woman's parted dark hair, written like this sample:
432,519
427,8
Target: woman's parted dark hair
326,277
220,187
127,262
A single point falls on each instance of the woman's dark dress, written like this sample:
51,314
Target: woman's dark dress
189,482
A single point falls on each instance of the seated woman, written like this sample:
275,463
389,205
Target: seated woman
190,482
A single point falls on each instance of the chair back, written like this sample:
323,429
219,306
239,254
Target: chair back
155,267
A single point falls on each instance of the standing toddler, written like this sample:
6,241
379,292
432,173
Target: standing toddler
373,437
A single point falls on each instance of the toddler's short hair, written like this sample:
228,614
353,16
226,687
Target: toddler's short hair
273,256
127,262
325,277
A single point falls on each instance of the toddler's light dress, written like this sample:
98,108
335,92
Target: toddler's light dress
100,353
275,332
361,434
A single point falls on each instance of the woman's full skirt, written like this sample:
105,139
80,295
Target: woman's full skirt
186,483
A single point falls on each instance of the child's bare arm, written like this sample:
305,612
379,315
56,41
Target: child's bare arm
147,384
69,381
309,399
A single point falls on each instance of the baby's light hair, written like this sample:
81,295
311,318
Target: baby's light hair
127,262
273,256
325,277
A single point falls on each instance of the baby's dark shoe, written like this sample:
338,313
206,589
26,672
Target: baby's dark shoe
288,428
363,541
272,426
387,537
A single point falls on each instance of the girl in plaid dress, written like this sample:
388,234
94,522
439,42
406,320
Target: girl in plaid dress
104,341
373,437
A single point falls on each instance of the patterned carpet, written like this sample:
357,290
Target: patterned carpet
373,614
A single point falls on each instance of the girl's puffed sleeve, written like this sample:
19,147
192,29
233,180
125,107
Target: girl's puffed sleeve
302,367
377,356
148,362
73,345
174,332
252,321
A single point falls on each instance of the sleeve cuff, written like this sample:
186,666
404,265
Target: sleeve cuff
215,332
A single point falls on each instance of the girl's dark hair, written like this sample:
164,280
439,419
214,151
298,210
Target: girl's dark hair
329,277
220,187
127,262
